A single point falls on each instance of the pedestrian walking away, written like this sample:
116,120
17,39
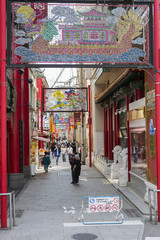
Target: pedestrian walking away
46,161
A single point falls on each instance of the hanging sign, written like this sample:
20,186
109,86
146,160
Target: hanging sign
65,100
51,124
79,33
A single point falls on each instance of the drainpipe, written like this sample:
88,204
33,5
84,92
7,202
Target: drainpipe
157,97
3,113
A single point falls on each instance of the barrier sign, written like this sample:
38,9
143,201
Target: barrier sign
103,204
111,205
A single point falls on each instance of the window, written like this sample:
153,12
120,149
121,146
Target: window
94,35
102,36
85,35
67,35
77,36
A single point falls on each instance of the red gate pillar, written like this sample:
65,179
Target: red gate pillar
3,113
104,131
26,123
89,100
106,117
110,133
157,97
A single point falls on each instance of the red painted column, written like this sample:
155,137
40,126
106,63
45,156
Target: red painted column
26,118
3,121
116,126
129,142
41,117
110,133
104,131
138,94
14,137
157,97
89,101
39,97
106,117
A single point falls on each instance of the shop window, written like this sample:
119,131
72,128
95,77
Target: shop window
138,152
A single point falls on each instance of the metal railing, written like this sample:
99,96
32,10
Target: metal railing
11,207
154,203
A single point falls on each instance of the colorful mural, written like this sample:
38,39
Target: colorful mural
65,100
80,33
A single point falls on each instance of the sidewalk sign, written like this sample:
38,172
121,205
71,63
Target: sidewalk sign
106,204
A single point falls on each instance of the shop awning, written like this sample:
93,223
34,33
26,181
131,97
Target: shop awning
41,139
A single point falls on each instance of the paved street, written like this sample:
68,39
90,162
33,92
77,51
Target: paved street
49,207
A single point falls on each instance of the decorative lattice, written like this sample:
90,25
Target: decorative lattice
79,33
65,100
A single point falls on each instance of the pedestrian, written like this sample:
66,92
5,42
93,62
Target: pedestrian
76,169
74,147
53,148
71,161
63,151
70,152
57,153
46,161
79,152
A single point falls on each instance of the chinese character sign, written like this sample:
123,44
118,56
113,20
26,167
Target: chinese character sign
65,100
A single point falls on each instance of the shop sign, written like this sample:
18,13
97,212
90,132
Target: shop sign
151,128
150,96
136,114
51,124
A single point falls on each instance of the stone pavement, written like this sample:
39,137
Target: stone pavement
48,208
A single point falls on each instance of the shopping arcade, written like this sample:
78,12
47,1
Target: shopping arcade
83,65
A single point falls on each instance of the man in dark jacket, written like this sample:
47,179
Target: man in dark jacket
76,169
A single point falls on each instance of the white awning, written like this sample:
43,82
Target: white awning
40,139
